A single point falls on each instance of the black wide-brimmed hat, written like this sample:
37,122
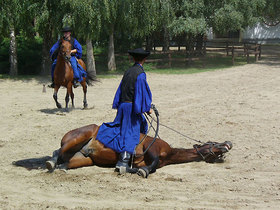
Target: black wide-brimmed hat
139,52
66,29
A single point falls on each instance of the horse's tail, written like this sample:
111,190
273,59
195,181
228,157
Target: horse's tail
91,78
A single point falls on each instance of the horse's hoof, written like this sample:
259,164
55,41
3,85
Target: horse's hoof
143,172
50,165
228,144
58,106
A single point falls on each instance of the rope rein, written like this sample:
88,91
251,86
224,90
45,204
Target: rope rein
156,132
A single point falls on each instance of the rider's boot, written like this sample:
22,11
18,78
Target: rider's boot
51,85
76,83
51,164
122,164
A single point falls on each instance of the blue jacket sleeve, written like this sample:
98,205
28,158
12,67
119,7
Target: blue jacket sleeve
116,101
78,46
54,47
143,95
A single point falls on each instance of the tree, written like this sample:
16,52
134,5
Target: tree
112,15
9,24
48,15
86,21
270,13
150,17
194,17
237,15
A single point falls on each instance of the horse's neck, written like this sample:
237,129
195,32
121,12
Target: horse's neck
61,64
180,155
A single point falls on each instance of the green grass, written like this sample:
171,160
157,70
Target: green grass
197,66
211,63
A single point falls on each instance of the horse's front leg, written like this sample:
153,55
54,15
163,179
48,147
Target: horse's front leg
66,100
69,92
146,170
55,97
85,94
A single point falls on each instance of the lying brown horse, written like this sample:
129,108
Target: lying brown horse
64,76
79,148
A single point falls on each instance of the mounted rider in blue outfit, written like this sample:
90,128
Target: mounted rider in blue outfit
76,53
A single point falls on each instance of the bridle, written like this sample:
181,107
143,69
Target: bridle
64,54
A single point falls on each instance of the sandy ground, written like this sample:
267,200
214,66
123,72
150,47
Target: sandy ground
238,104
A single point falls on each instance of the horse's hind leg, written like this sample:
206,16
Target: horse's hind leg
85,94
79,160
51,164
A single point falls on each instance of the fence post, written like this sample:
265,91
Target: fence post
260,51
256,53
232,54
227,47
246,51
169,59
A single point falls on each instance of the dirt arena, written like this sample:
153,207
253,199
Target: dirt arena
238,104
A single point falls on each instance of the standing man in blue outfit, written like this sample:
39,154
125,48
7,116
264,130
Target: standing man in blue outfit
76,53
133,97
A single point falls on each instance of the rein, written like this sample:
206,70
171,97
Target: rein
156,132
151,126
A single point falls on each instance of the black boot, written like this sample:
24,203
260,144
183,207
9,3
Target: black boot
51,85
122,164
76,84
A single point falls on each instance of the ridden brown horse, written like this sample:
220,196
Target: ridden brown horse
79,148
64,76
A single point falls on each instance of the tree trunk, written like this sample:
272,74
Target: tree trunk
149,45
13,53
199,44
111,52
165,39
90,58
46,61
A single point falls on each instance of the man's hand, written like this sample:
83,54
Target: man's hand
74,51
150,112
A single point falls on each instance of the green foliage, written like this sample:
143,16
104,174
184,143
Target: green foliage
84,17
270,13
132,21
237,14
29,56
4,56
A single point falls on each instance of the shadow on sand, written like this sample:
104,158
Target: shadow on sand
32,163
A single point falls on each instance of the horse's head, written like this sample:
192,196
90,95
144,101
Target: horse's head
65,49
213,152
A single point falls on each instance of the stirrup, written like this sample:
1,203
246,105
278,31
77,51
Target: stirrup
76,84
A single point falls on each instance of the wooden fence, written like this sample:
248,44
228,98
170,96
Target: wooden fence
227,48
